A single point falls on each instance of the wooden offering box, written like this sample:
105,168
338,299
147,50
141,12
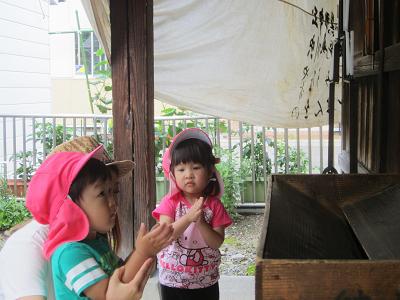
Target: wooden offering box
330,237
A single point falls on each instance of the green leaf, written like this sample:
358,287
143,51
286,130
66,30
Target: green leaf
103,109
100,52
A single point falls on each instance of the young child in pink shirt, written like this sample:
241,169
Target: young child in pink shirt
188,268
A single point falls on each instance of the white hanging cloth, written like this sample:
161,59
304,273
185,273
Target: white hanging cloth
265,62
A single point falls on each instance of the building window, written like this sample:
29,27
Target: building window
89,50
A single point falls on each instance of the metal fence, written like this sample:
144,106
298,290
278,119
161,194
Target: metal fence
248,153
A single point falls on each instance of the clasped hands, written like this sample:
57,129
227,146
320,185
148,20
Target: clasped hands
195,213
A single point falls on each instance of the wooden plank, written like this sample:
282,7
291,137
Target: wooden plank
306,222
369,65
381,97
323,279
376,223
141,90
122,118
353,124
393,112
263,236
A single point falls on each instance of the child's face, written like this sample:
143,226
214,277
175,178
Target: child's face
99,204
191,178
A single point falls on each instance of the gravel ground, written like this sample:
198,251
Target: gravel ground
239,249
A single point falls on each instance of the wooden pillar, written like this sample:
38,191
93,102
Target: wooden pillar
382,96
133,111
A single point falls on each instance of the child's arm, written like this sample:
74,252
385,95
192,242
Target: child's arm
180,225
114,288
214,237
147,244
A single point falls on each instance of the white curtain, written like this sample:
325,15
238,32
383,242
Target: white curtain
260,61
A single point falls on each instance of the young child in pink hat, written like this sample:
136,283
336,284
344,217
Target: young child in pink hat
188,268
73,193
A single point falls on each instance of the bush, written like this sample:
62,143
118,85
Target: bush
230,174
12,210
43,134
258,164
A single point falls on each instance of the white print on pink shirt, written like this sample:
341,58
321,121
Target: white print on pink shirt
188,262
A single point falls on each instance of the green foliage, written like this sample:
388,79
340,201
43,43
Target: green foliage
229,170
257,163
44,133
292,155
12,210
231,240
251,270
30,165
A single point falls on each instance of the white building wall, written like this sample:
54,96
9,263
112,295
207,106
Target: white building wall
24,69
24,57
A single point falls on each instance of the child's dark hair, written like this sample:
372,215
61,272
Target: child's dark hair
91,172
197,151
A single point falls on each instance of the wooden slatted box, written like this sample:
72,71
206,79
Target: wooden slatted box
330,237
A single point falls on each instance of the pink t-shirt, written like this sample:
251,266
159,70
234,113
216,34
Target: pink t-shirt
188,262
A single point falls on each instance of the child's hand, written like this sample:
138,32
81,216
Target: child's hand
131,290
196,211
150,243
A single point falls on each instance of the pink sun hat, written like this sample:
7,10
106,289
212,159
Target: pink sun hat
189,133
48,201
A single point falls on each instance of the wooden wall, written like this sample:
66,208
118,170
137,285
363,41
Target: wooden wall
375,87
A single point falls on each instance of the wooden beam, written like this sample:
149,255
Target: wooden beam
327,279
133,116
369,65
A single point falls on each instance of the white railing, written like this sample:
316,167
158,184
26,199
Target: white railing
254,151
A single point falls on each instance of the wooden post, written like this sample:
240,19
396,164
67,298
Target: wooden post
133,111
382,126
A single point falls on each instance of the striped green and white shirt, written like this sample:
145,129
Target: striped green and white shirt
79,265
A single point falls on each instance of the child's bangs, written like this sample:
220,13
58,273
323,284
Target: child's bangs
188,151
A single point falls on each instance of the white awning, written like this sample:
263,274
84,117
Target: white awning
258,61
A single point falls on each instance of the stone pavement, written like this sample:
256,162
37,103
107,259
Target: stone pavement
230,288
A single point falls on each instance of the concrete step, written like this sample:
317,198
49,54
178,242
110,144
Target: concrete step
230,288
